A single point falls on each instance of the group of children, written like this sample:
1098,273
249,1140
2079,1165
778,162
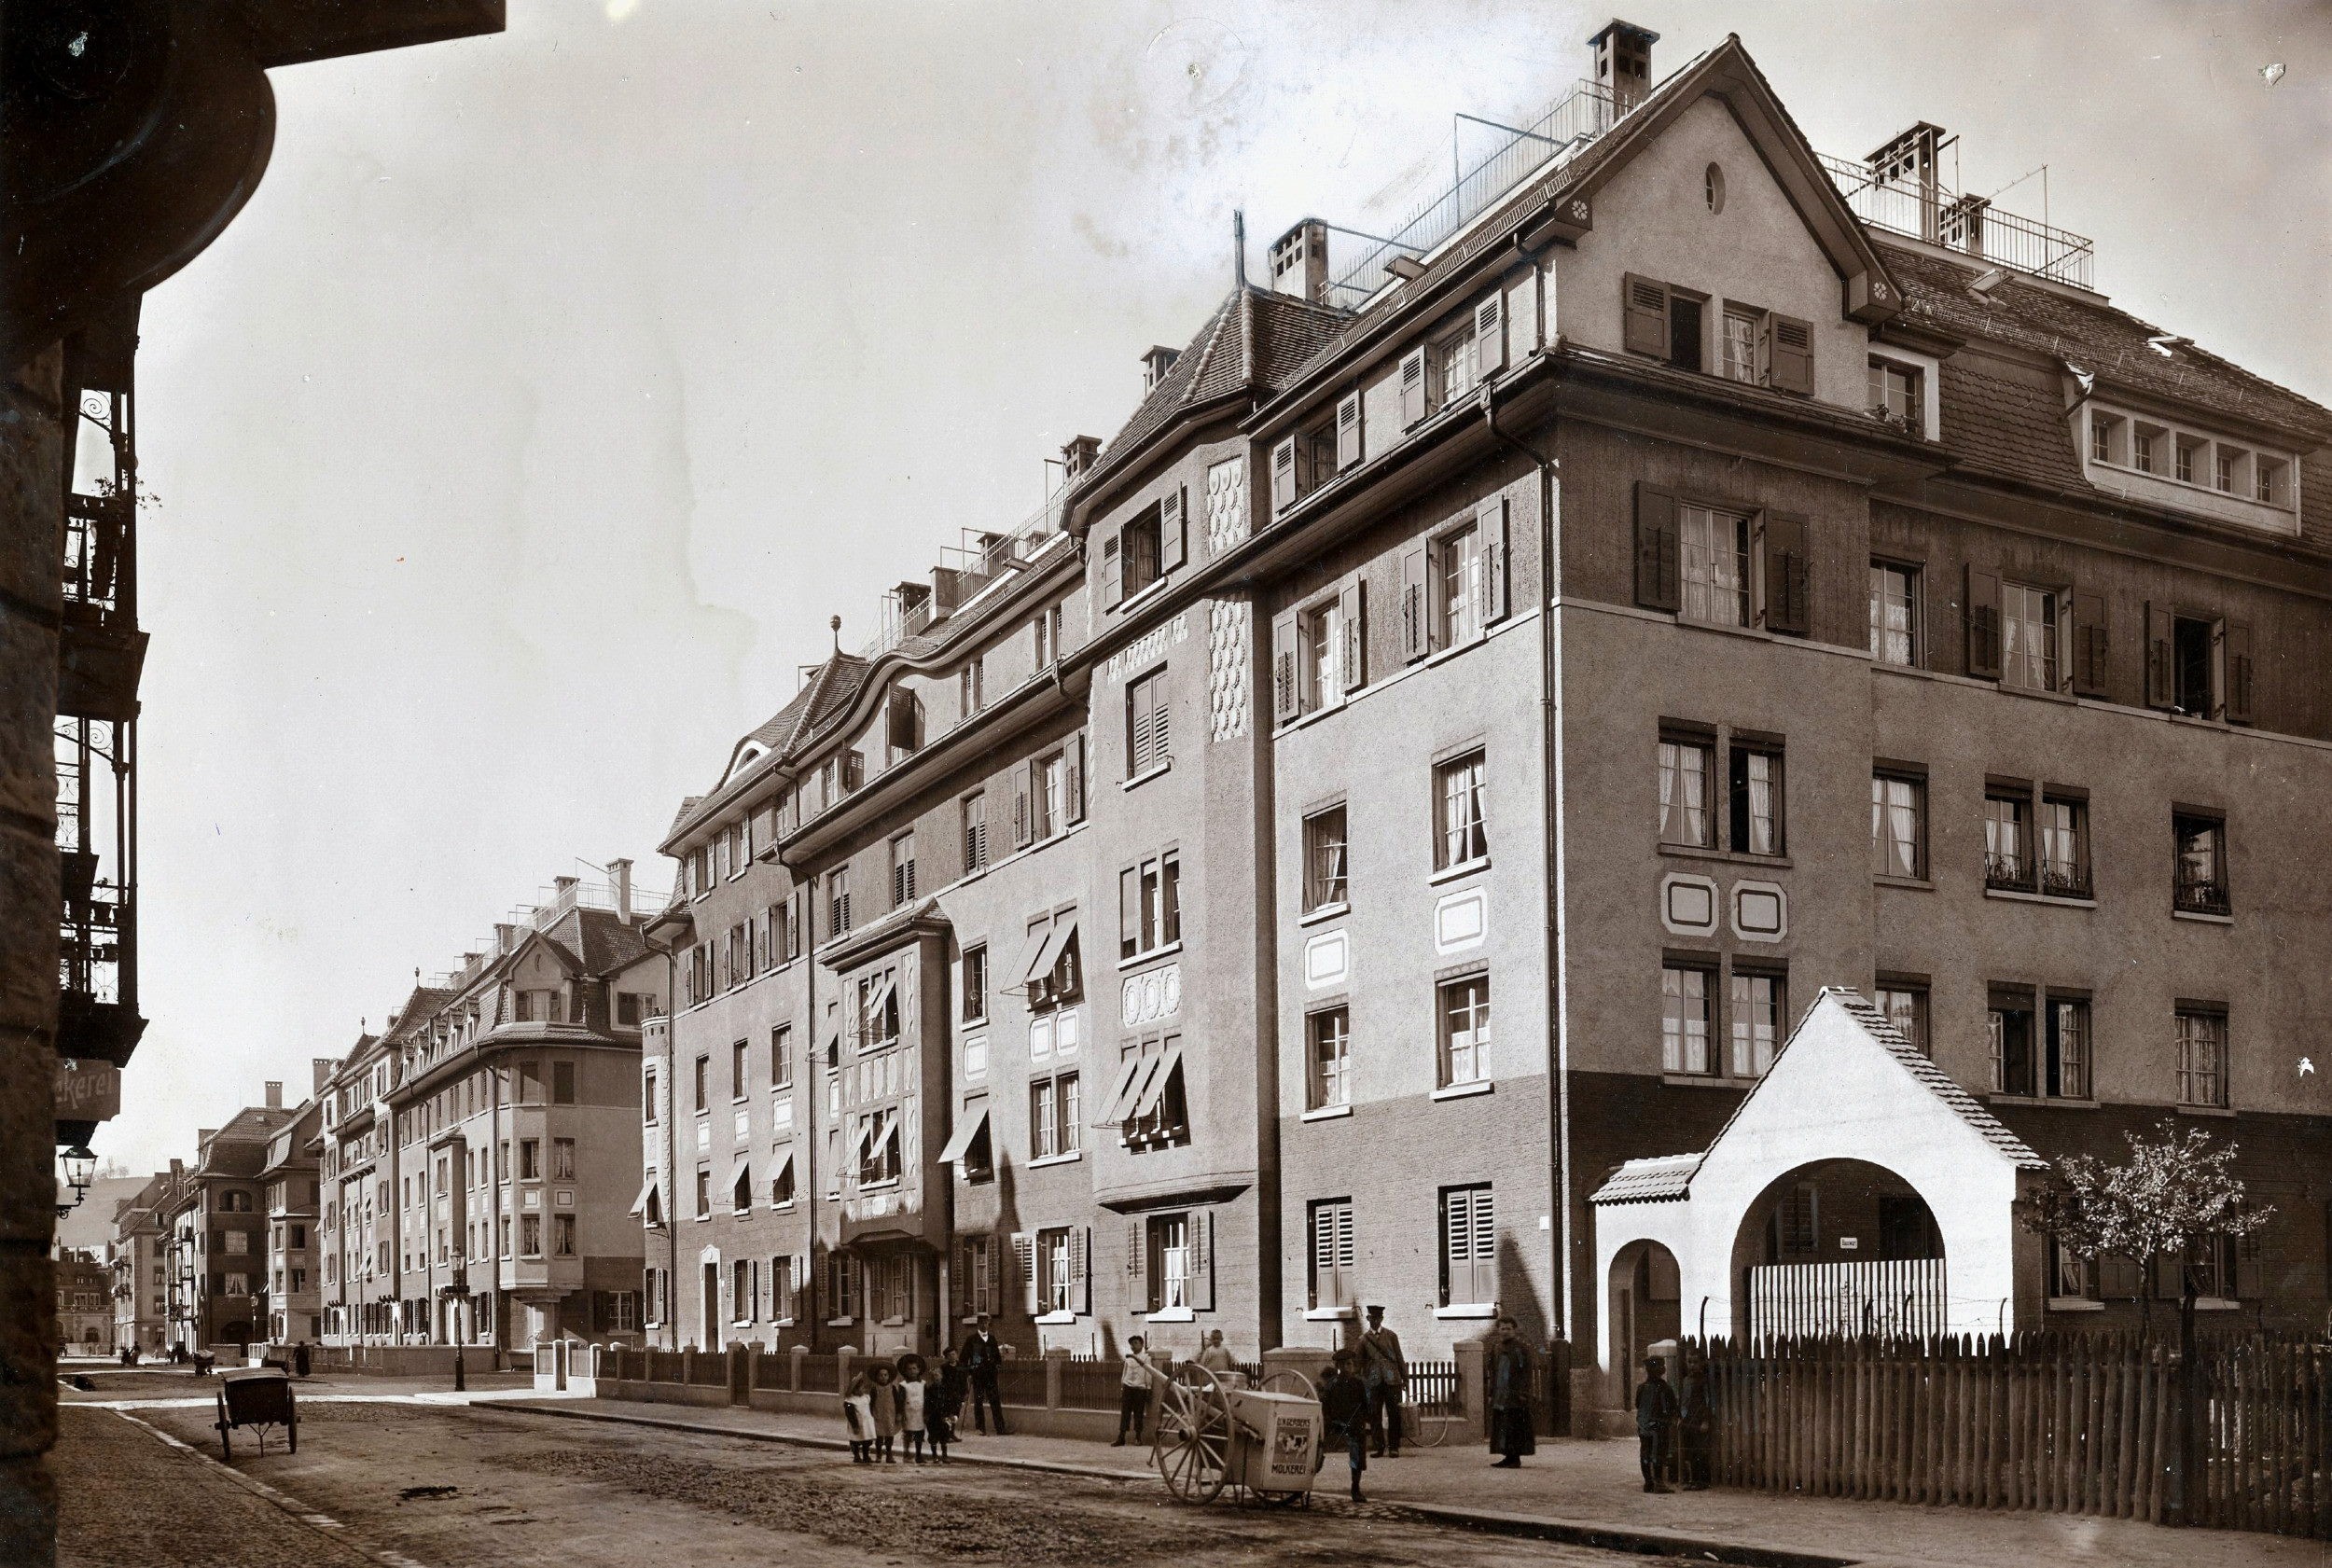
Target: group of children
904,1399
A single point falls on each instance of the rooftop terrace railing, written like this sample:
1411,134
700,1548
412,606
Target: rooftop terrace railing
1968,224
969,568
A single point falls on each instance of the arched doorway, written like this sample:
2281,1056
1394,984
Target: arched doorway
1838,1247
1644,1305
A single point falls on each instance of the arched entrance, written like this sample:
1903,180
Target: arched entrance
1644,1304
1838,1247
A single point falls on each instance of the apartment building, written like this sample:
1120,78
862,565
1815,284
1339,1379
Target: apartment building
85,1306
141,1269
214,1231
291,1184
478,1153
1494,684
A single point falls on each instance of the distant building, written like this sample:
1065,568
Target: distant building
290,1182
141,1267
478,1154
85,1304
215,1231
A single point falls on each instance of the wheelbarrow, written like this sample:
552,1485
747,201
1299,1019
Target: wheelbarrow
259,1400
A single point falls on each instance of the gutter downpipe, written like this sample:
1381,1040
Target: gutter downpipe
1551,795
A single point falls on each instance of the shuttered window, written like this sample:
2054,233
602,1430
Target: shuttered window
1335,1282
1149,741
1469,1246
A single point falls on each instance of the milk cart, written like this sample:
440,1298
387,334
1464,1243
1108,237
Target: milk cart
259,1399
1214,1431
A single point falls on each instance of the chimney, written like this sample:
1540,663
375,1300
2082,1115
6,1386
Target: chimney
1078,457
321,1068
276,1094
620,875
177,1169
1911,161
1300,262
1155,365
1623,62
506,936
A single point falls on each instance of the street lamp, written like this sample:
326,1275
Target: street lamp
453,1290
80,1168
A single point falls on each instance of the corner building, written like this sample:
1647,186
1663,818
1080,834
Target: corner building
1502,677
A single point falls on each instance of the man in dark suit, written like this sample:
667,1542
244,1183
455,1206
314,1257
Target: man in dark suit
982,1358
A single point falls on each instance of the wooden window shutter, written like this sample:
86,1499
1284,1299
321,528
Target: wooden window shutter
1022,831
1140,701
1203,1259
2117,1277
1137,1265
1072,777
1489,337
2240,667
2251,1265
1412,387
1983,624
1285,695
1130,911
2161,692
1113,570
1413,602
2089,645
1024,1260
1348,431
1645,327
1489,521
1793,355
1080,1276
1283,475
1657,576
1788,573
2170,1276
1174,545
1352,612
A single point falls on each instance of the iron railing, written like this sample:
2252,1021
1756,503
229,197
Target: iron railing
2011,873
1968,224
2201,895
967,570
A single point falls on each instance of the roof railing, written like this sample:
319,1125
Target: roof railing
973,566
1970,225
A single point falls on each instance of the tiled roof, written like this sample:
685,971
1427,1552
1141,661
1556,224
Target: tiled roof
829,690
2093,335
601,942
1662,1178
2010,425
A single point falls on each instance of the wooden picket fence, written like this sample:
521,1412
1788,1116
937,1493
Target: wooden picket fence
2055,1423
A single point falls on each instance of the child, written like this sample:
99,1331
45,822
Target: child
942,1399
913,1394
858,1419
882,1388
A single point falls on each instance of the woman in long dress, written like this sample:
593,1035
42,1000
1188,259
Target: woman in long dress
1508,1374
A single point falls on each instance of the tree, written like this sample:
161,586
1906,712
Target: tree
2175,1191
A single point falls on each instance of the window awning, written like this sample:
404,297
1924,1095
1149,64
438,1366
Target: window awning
967,1130
1153,1088
881,993
1049,956
1036,942
781,1162
1118,1109
647,1191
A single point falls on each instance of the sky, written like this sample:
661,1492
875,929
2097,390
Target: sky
510,453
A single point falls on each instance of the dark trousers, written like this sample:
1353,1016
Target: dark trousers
984,1388
1652,1453
1133,1406
1693,1467
1384,1418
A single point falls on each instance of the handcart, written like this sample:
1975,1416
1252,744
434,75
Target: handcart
1214,1432
260,1399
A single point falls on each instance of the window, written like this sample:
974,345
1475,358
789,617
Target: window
1894,614
1460,833
1796,1222
902,870
2101,437
1319,657
1048,796
1464,1032
975,809
1054,1275
975,983
2007,838
838,901
530,1159
1715,564
1458,588
1685,766
2009,1020
2141,448
970,688
1328,1055
530,1235
780,1056
1742,329
1898,825
1470,1247
2201,1057
2225,469
704,1082
1149,906
1053,1118
841,1285
737,1086
1757,797
2066,1062
1684,1021
1897,396
1325,866
1139,552
2064,847
2199,880
2183,465
1149,736
1684,332
742,1295
2193,666
877,1011
562,1159
877,1142
1172,1261
1757,1016
704,1192
2028,637
1906,1006
2271,481
1335,1262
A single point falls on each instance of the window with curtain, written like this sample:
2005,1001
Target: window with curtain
1684,1021
2008,839
1898,807
2202,1058
1461,831
1894,621
1756,1018
2028,637
1684,789
1329,1034
1756,798
1714,560
1324,859
1466,1031
2064,847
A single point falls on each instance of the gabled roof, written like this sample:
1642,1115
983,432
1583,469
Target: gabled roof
595,941
786,734
422,1004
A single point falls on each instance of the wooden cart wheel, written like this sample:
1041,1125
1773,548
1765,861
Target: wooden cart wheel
1192,1449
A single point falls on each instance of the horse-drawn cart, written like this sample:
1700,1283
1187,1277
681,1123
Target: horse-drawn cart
1214,1431
261,1400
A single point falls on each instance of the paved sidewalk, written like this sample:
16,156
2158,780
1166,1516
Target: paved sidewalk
1591,1491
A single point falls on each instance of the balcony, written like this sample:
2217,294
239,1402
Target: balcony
1970,225
2195,895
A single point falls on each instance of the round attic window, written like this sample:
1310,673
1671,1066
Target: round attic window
1714,186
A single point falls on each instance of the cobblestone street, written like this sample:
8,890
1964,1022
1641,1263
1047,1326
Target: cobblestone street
522,1489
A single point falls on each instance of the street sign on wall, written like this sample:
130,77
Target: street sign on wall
88,1090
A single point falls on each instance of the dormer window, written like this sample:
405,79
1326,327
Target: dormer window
2150,460
1898,395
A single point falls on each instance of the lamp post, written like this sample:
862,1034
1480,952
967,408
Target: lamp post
453,1290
